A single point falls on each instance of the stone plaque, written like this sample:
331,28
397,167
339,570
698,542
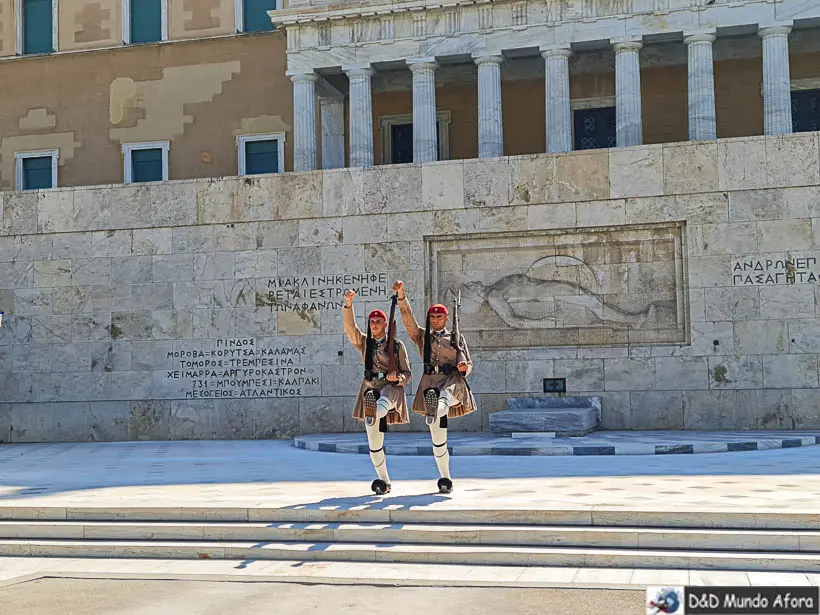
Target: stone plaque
589,286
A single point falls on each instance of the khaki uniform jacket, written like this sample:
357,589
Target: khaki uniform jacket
441,353
394,391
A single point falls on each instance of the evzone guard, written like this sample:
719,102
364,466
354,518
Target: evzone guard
443,391
382,400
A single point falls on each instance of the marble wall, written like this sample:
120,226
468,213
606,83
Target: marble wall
210,308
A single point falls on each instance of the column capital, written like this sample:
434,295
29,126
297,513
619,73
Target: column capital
775,29
626,44
422,63
488,58
298,76
700,36
555,51
360,70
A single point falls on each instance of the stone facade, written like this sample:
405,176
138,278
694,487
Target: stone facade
210,308
516,85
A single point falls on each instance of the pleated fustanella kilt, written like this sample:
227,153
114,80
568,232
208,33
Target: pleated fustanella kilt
396,416
455,383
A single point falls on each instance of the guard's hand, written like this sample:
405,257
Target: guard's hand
349,294
398,288
393,376
462,367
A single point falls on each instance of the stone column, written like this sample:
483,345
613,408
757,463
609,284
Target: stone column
490,125
628,93
425,143
304,120
333,131
559,114
702,122
361,116
777,98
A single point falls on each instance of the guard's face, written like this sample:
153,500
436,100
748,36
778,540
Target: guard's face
438,321
377,326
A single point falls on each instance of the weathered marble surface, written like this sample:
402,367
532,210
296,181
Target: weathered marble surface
566,416
106,288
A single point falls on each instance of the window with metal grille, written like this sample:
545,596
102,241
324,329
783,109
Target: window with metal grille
255,15
38,26
806,110
594,128
145,21
37,173
146,165
261,157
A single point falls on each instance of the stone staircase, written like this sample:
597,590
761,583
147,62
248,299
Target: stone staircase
559,416
787,542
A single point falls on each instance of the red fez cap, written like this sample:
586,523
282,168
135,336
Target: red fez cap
377,314
438,308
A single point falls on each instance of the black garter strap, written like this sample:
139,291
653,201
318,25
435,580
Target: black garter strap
438,445
377,450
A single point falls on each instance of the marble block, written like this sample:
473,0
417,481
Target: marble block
565,416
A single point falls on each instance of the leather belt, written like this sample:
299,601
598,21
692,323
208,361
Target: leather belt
439,369
375,375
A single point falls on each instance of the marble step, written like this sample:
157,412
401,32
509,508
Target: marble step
559,536
440,554
564,422
564,515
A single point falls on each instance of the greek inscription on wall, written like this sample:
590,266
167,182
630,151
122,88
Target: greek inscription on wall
768,271
321,292
243,368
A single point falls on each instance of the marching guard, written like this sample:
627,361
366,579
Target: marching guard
443,391
382,399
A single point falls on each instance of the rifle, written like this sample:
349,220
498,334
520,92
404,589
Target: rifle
370,346
393,356
455,335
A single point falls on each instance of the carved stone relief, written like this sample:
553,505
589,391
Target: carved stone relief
594,286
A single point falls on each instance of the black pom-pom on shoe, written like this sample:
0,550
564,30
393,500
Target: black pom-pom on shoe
380,487
445,485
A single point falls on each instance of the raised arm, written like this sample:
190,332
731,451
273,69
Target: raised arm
354,334
411,325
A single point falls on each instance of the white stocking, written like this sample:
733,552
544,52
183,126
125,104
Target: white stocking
375,439
445,400
441,453
383,406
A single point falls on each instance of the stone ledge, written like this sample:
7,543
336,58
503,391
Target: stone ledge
609,443
666,175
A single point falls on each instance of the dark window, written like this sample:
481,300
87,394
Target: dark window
806,111
37,173
402,137
146,165
261,157
146,21
595,128
255,15
37,26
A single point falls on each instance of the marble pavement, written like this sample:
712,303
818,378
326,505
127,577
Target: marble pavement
221,476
